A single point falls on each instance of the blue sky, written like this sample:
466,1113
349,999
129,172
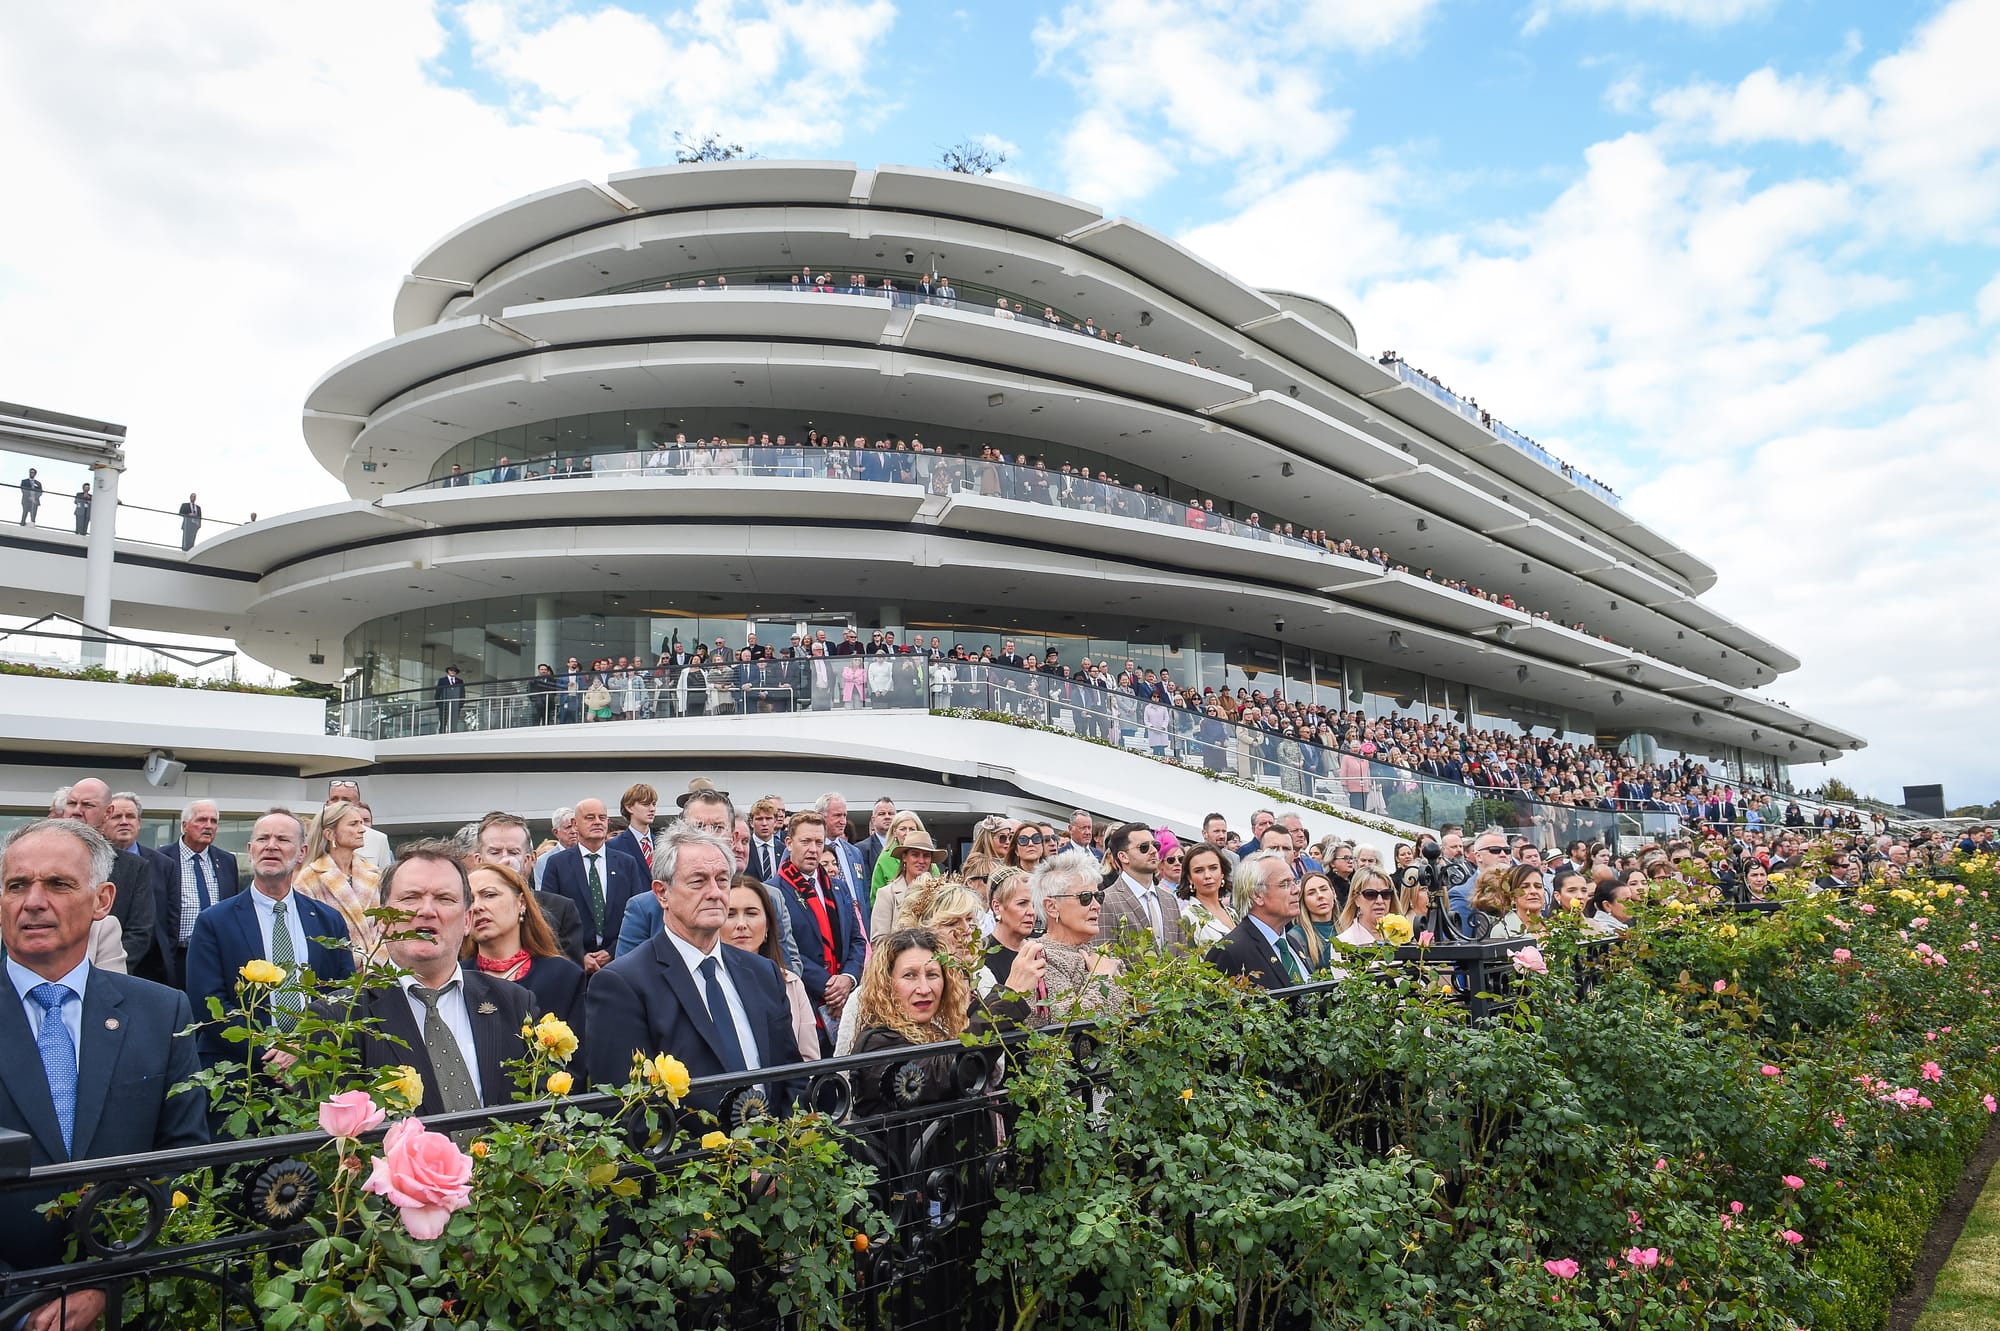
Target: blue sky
1737,257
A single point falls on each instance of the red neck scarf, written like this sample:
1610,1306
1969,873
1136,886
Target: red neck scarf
515,967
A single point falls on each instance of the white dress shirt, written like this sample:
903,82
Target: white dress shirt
456,1019
739,1016
1149,904
267,919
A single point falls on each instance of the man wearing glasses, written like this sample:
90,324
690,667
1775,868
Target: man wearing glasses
1489,851
1266,897
1133,900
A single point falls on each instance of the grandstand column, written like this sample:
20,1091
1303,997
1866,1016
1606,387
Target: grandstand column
98,557
547,630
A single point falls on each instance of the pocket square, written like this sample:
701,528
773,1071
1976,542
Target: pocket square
487,1009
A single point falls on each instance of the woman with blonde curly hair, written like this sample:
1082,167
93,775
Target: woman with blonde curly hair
910,996
334,872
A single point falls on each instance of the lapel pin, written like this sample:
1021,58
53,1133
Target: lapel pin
487,1009
111,1023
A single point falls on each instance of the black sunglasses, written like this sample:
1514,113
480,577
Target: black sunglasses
1084,898
1376,894
1031,839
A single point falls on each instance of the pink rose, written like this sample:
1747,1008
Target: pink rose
1793,1236
1660,1163
1793,1181
1815,1162
1768,1070
1736,1208
1932,1072
1867,909
1563,1268
1992,1105
424,1175
1530,959
1721,985
1643,1256
350,1114
1842,954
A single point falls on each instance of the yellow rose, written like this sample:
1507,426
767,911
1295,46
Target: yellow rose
554,1035
261,972
180,1199
408,1085
479,1150
714,1141
1396,929
1187,1093
1727,931
669,1074
560,1082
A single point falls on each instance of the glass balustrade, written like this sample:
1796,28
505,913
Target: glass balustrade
933,473
883,682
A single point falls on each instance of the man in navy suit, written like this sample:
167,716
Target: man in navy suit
88,1058
877,840
640,804
272,923
831,948
842,860
456,1026
717,1009
1267,902
598,877
190,876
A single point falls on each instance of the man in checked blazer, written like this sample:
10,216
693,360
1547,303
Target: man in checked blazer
1135,905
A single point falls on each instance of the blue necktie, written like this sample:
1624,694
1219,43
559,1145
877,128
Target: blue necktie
200,880
718,1010
59,1056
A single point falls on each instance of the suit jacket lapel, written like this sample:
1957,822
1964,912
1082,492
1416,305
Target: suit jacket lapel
687,992
489,1035
103,1039
21,1073
244,917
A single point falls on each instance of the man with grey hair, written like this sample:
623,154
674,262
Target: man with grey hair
843,857
1266,897
562,835
92,1058
717,1009
712,810
1083,832
190,876
58,801
88,802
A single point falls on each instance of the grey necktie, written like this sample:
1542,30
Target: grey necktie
447,1060
289,999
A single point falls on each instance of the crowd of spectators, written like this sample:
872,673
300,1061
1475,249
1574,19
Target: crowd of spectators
733,936
1487,419
1305,747
991,472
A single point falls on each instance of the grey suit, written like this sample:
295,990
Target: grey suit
1124,914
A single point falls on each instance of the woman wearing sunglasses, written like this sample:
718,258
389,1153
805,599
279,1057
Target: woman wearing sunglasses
1369,902
1079,980
1030,847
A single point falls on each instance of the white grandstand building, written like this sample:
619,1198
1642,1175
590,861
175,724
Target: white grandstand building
557,349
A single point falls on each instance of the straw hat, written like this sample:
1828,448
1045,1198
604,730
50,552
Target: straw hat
915,841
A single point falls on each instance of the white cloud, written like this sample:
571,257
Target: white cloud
1697,13
1205,81
1681,320
739,68
210,203
1922,126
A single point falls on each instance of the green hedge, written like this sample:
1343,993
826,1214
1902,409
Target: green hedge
1733,1125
